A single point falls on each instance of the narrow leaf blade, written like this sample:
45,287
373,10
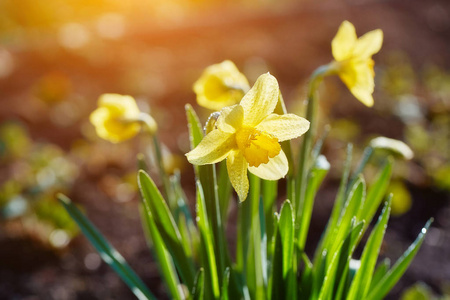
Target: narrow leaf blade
361,281
198,287
107,252
390,279
155,205
207,242
162,256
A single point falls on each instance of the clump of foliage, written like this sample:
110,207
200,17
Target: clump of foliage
246,147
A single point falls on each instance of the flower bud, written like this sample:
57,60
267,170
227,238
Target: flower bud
396,147
211,122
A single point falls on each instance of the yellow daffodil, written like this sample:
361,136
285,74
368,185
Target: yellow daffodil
220,85
118,118
248,135
353,60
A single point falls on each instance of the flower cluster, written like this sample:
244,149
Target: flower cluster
248,135
246,131
249,128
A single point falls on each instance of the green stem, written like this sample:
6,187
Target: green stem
243,233
254,272
287,148
218,229
162,172
150,127
304,155
362,164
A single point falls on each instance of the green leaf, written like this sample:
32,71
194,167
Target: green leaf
361,281
379,273
362,164
340,258
393,275
345,258
306,277
316,176
340,199
337,208
255,270
274,257
286,227
269,195
339,232
352,206
208,179
318,145
318,275
287,232
157,207
376,194
107,252
282,272
186,241
198,287
243,235
195,127
180,197
226,278
162,256
263,242
207,242
162,172
183,217
224,190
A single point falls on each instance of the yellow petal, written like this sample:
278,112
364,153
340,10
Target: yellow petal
363,95
121,105
220,85
284,127
344,41
214,147
275,169
230,118
261,100
369,44
358,76
237,172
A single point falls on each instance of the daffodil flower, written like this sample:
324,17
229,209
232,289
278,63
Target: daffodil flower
353,60
220,85
248,135
118,118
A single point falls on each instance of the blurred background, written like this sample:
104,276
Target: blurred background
58,56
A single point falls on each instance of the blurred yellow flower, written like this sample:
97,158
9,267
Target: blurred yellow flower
118,118
353,60
220,85
401,199
248,136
